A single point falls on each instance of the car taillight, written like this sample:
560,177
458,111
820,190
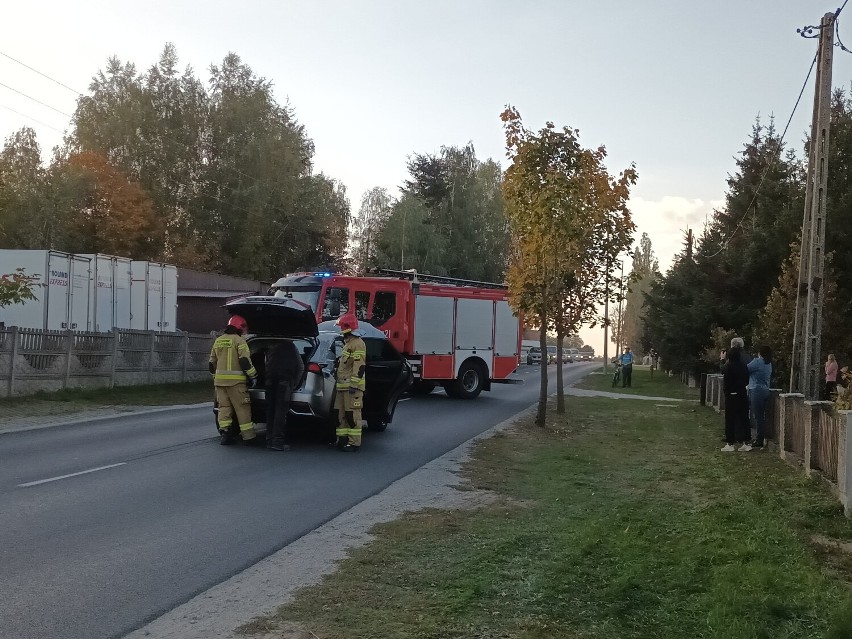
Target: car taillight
313,367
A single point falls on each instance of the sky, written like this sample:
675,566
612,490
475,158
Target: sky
671,86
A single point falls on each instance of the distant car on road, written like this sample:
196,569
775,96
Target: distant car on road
534,355
272,320
551,354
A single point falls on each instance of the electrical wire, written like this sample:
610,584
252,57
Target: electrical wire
772,164
44,75
29,97
29,117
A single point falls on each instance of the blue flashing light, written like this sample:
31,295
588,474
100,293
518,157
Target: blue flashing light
323,274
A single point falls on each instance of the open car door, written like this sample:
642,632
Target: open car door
388,376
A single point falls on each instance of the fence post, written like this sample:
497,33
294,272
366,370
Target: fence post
185,356
844,463
702,393
772,414
14,356
786,403
69,337
114,358
151,358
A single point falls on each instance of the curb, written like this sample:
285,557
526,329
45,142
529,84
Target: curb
79,419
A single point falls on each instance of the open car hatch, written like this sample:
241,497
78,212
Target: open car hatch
275,316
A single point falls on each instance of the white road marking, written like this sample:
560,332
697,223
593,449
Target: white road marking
82,472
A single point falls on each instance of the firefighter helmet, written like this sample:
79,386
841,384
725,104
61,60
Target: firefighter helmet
347,323
239,323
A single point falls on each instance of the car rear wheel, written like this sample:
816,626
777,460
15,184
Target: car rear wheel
470,382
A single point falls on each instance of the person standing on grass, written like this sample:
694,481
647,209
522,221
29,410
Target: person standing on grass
830,377
759,376
626,368
735,388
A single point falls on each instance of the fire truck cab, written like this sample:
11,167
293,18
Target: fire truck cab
459,334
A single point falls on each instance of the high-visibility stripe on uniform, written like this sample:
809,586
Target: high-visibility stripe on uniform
225,355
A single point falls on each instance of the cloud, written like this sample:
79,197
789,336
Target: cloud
667,219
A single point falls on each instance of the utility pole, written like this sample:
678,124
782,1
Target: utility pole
806,358
619,344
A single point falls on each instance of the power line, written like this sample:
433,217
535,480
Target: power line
771,165
29,117
29,97
44,75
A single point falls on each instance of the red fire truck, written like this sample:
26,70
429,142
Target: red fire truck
459,334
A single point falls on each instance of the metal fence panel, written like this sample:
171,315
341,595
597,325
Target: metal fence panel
826,440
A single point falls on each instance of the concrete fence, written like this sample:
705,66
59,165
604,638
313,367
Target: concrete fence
33,360
807,434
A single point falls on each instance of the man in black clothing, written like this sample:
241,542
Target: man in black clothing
735,383
284,372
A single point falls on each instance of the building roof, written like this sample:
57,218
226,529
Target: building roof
192,283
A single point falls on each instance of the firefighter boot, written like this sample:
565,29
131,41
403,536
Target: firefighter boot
349,447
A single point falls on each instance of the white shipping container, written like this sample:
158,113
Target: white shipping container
62,291
170,278
110,292
153,296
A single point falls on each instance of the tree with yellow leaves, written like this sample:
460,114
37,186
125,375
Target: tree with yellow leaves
569,222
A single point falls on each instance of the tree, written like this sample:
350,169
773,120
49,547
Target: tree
376,208
458,199
644,272
228,169
25,219
574,341
17,288
409,239
569,221
111,214
725,278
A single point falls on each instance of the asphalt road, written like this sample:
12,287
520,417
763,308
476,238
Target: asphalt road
106,525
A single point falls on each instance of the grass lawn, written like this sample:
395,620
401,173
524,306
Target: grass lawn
621,519
70,401
642,382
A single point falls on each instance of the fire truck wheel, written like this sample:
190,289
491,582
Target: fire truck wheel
422,388
470,382
377,425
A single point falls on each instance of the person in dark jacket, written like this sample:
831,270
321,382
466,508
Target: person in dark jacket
734,385
284,372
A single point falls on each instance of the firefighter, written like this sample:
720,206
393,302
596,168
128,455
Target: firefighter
350,373
232,370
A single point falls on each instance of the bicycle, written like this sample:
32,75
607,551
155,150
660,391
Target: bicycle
617,375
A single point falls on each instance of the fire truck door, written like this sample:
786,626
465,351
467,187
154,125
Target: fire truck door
474,331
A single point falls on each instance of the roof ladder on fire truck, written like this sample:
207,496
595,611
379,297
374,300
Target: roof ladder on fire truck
414,276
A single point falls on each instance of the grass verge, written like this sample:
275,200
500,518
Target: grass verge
658,385
619,519
75,400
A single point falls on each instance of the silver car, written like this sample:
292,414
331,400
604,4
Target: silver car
272,320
